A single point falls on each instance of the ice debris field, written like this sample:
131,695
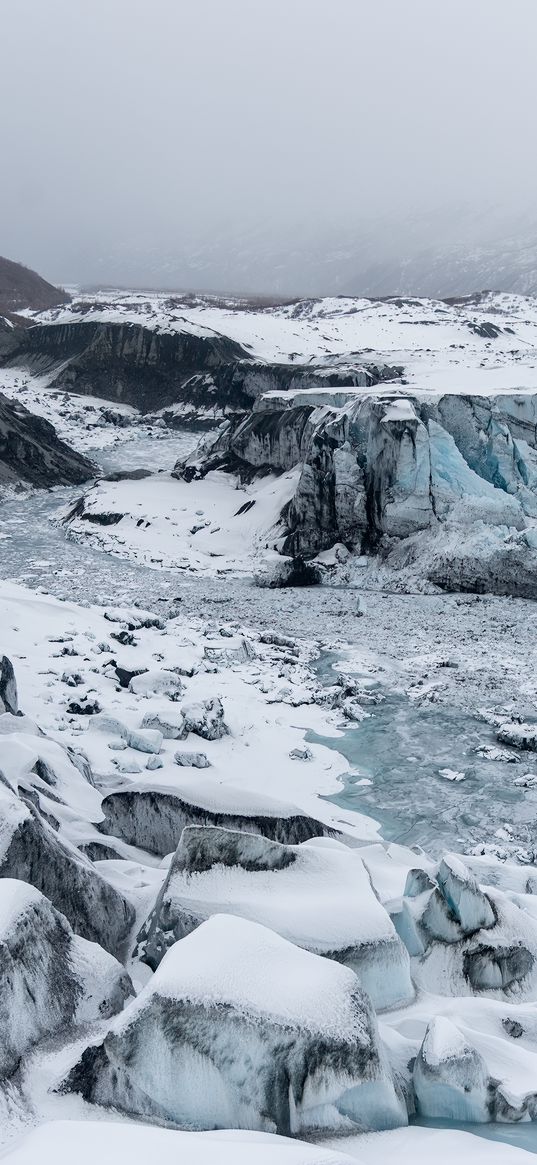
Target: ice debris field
268,873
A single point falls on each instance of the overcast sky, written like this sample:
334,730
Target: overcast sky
132,127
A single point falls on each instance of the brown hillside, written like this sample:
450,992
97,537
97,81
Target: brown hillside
20,287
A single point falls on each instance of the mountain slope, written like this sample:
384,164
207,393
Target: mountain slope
20,288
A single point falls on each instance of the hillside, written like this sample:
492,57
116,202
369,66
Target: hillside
20,288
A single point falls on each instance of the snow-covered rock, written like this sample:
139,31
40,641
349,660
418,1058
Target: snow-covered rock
317,895
239,1028
154,817
205,719
49,978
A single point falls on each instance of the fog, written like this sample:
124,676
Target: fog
261,144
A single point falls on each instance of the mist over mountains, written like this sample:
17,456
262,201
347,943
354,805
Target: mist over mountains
441,254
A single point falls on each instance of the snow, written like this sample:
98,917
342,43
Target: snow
62,1142
421,1146
443,653
435,341
169,523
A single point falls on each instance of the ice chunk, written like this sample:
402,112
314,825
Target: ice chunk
467,902
195,760
154,818
170,722
50,977
145,739
206,719
317,897
32,851
239,1028
451,1079
8,687
518,735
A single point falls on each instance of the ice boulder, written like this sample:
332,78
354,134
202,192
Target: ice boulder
317,896
238,1028
49,977
451,1079
33,852
154,818
466,940
157,683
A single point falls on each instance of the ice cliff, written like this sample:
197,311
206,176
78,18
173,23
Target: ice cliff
440,486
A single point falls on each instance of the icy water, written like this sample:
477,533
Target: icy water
401,757
37,553
522,1135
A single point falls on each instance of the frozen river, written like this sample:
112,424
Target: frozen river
418,770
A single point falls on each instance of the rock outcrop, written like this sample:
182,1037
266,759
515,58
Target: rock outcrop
31,451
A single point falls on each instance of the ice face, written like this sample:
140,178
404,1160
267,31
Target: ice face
32,851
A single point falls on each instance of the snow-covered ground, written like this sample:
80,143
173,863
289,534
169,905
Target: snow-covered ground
438,343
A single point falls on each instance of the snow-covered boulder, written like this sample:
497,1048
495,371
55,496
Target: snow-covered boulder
317,895
32,851
238,1028
153,818
49,977
157,683
205,719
